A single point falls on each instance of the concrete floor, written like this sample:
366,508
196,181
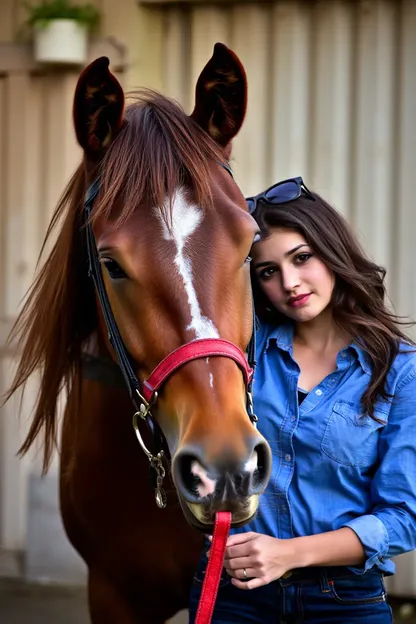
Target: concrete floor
24,603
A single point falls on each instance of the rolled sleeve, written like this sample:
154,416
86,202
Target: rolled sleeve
375,540
390,529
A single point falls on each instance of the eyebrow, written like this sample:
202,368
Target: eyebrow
260,265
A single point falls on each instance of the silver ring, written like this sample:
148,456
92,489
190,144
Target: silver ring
244,573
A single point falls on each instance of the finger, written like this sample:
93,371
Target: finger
251,584
237,553
240,538
241,550
238,564
240,576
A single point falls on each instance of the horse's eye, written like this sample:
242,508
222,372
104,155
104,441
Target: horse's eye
114,269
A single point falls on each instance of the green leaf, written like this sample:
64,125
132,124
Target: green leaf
43,12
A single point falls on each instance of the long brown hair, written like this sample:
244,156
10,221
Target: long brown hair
158,149
358,299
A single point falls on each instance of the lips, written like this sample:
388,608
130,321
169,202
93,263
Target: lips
299,300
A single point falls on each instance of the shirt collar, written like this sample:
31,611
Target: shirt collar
362,356
282,335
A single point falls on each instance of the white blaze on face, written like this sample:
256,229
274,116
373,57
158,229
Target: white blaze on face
186,217
211,376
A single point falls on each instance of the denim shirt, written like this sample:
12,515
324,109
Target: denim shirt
333,465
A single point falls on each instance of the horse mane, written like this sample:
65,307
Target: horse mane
158,150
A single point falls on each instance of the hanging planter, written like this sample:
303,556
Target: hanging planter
61,30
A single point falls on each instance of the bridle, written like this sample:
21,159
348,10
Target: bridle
144,394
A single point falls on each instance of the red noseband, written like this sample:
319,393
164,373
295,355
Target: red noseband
195,350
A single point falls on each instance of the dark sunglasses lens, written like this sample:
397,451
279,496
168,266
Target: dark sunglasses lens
281,193
251,205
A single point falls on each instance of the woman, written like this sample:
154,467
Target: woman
335,393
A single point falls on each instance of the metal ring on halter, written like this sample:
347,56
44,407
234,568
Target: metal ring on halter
152,458
245,573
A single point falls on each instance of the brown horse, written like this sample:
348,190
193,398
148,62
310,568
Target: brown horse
155,213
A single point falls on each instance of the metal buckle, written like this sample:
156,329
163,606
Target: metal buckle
145,406
156,461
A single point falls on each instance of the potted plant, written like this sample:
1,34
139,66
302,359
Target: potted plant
61,29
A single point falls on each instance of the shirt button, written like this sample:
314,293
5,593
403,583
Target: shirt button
288,457
318,392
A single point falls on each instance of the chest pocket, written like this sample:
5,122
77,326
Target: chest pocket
350,437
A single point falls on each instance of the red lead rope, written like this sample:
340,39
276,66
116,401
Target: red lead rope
214,568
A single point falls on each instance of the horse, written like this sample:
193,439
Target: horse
143,307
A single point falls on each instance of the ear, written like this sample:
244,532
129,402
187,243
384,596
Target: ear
98,108
221,95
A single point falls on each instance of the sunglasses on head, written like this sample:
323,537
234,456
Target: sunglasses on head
280,193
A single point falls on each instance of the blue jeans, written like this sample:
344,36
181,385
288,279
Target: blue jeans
313,595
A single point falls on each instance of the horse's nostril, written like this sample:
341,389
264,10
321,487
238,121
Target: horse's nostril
192,477
261,473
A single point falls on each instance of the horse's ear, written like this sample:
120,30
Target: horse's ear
98,108
221,95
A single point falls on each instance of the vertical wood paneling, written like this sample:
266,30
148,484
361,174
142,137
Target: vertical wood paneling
31,182
133,25
54,144
208,24
373,156
331,87
16,105
7,20
3,177
404,212
250,40
290,89
176,55
12,477
14,471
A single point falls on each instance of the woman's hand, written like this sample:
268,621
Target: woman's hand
264,558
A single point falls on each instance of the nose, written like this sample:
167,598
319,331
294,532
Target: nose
290,278
225,479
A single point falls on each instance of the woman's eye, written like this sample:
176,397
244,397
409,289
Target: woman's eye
303,257
267,273
114,269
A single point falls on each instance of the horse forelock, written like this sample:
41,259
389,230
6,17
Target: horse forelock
159,150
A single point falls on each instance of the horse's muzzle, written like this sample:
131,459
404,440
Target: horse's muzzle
226,484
